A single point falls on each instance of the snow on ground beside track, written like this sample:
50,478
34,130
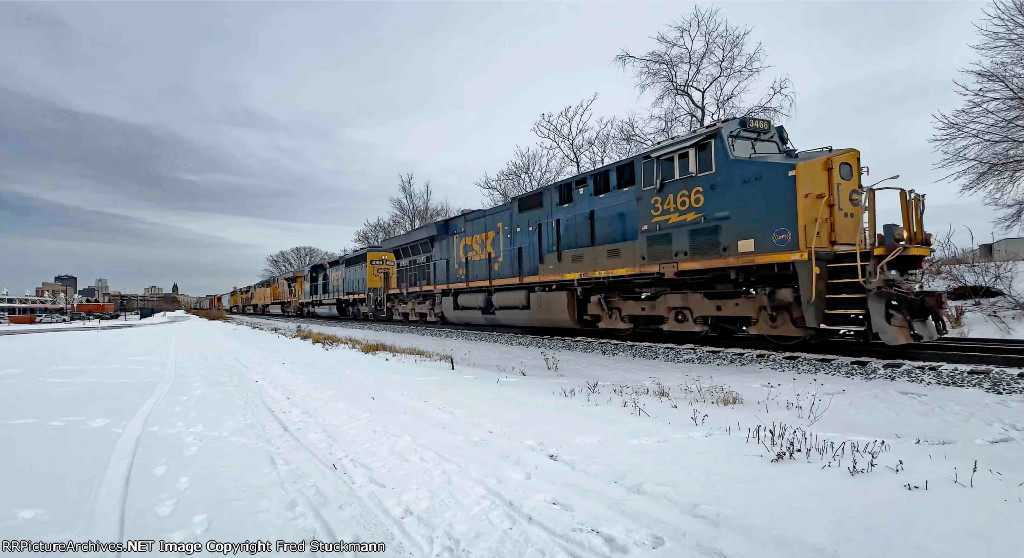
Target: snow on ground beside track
980,320
987,318
203,430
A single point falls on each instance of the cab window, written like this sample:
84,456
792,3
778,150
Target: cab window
648,173
668,169
706,157
676,165
683,163
746,147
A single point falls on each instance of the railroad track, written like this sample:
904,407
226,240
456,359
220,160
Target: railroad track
975,352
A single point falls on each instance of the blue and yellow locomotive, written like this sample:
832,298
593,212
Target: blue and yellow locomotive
727,229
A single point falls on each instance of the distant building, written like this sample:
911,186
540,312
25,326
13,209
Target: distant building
153,290
1005,250
159,302
174,289
69,281
53,289
102,287
88,292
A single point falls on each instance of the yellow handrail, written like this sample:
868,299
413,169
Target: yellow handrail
814,242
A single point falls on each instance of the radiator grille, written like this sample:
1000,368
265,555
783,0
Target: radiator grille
613,253
576,258
704,242
659,247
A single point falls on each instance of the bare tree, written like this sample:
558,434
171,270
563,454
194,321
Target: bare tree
704,69
529,169
294,259
579,138
413,207
573,141
634,133
982,141
373,232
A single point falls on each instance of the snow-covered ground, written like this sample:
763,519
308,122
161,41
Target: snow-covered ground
987,318
199,430
129,321
983,321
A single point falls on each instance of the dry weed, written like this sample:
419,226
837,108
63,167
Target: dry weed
216,315
328,340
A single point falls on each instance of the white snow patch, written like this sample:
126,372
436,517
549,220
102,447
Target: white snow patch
584,455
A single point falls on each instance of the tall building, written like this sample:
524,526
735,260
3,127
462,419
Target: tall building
174,289
69,281
102,287
153,290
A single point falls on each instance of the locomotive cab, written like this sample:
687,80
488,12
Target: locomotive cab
861,279
752,236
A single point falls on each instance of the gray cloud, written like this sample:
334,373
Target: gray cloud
41,236
85,155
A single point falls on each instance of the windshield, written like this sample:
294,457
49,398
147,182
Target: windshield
748,146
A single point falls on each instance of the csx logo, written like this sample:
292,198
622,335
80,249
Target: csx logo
477,247
782,236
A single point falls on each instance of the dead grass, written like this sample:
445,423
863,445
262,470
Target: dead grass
328,340
955,316
216,315
727,398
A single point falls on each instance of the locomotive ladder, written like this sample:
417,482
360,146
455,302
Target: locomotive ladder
846,302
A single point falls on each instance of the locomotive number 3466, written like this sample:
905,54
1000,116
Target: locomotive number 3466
682,201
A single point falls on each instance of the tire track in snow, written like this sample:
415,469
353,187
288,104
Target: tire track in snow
456,471
285,446
108,505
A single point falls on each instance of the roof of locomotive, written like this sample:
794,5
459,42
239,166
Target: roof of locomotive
727,126
415,235
692,135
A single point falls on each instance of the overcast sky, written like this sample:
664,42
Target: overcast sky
149,143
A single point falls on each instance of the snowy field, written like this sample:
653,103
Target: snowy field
199,430
132,320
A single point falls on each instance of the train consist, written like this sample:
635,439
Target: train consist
728,229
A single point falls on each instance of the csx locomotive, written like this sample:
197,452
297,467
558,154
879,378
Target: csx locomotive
727,229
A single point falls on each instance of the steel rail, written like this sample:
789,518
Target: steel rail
960,351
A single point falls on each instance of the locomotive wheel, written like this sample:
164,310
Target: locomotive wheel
624,332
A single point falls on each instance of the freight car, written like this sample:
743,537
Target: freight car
727,229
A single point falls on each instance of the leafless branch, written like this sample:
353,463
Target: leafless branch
294,259
704,69
413,207
529,169
982,141
580,139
